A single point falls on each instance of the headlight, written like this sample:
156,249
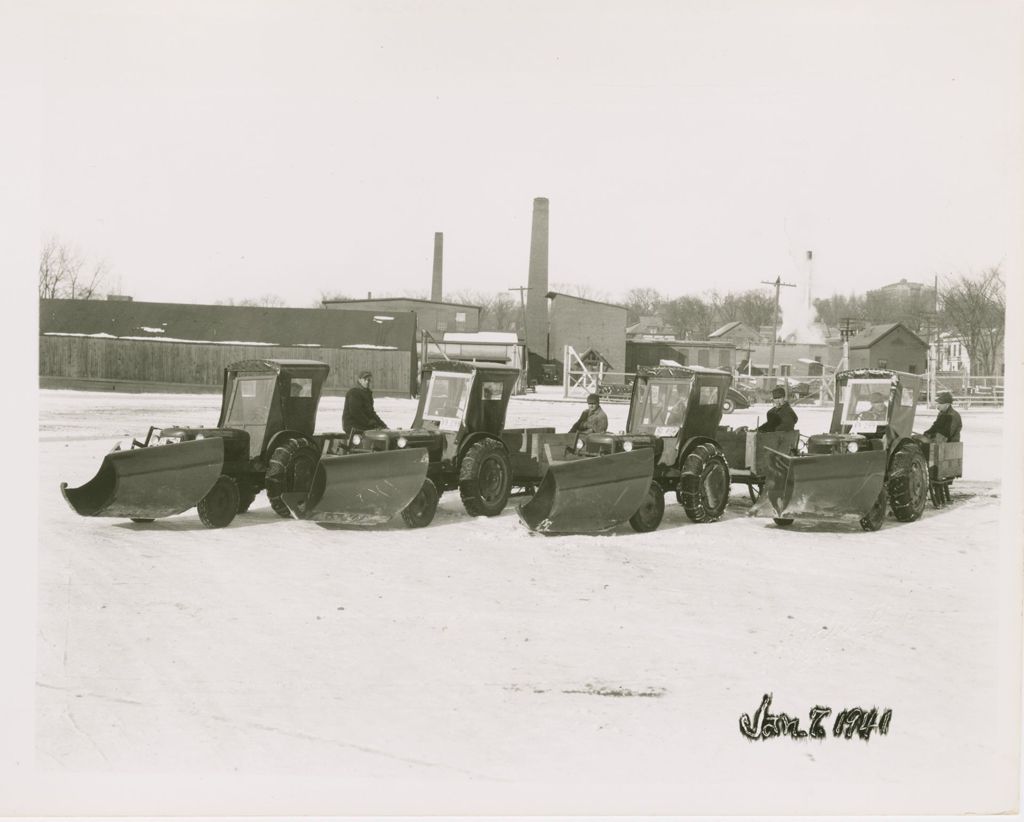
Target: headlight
200,436
356,439
401,442
579,445
851,447
627,446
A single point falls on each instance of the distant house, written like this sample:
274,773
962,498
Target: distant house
738,333
892,346
653,327
707,353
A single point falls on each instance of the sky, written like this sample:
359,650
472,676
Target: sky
216,151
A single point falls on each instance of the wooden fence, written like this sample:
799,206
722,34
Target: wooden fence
95,362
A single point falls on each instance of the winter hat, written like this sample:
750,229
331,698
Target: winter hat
365,375
778,393
594,398
945,397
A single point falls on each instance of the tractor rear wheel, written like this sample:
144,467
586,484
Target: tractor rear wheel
220,504
703,488
908,483
648,515
420,512
291,468
485,479
874,518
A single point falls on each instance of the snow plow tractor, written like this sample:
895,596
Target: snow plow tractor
669,445
866,463
457,428
263,440
748,453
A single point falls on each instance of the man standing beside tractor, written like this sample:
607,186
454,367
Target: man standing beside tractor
948,424
781,416
593,420
358,414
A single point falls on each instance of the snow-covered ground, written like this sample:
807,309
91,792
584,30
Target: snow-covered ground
472,654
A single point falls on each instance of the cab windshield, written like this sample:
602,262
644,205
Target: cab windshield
661,404
250,401
866,404
447,397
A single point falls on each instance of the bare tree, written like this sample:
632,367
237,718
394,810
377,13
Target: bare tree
642,302
692,317
498,312
262,301
753,308
65,274
975,309
833,310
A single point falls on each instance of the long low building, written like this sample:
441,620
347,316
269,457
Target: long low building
107,345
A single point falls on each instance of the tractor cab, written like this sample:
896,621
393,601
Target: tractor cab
459,403
874,410
669,407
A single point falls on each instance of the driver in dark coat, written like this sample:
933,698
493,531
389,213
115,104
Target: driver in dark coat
781,417
947,425
358,414
593,420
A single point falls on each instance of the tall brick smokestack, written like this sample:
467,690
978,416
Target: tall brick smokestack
536,301
436,290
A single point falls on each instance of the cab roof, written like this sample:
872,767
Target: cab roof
678,371
278,366
462,367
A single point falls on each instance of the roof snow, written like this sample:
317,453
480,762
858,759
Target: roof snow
378,347
151,330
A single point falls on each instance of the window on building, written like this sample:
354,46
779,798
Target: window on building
912,368
785,370
723,359
460,319
883,363
442,325
703,357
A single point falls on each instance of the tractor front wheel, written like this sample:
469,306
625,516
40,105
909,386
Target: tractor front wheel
420,512
908,483
291,468
246,497
728,406
703,488
220,504
485,479
648,515
874,518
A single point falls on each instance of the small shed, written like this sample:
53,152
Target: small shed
890,346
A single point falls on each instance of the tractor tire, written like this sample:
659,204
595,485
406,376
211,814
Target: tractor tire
873,520
420,512
648,515
728,406
246,497
782,522
291,468
908,483
141,519
485,479
220,504
703,488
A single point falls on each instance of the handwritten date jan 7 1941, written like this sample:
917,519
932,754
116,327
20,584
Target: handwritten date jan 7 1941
862,722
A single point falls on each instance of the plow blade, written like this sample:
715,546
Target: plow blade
821,485
361,489
149,483
590,494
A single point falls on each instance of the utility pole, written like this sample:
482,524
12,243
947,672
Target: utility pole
775,327
526,347
845,333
